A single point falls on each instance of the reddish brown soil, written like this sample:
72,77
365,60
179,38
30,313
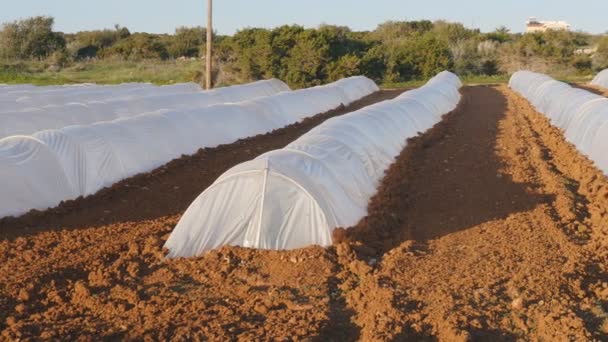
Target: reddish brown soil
488,227
592,88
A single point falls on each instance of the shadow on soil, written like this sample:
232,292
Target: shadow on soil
340,326
446,180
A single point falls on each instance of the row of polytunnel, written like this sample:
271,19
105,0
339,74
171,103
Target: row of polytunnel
16,97
582,115
601,79
296,196
43,169
284,199
121,103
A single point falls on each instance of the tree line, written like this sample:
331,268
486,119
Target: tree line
396,51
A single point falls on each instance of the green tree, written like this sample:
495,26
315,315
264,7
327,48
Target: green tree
283,40
306,60
600,57
500,35
187,41
432,56
346,66
393,31
374,63
139,46
30,38
90,44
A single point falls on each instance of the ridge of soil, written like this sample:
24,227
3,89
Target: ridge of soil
488,227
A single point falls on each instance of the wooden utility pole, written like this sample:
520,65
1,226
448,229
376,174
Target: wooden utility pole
208,60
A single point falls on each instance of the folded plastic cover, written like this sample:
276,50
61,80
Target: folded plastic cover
296,196
98,155
582,115
120,103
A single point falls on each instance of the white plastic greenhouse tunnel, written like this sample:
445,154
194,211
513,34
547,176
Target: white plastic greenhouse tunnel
601,79
28,97
582,115
41,170
164,99
296,196
59,94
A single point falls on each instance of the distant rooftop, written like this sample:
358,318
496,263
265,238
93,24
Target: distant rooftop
535,25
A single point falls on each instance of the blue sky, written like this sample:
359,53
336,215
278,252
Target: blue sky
162,16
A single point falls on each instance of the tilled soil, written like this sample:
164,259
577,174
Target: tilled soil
488,227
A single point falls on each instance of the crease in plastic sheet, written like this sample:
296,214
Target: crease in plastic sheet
79,108
41,179
98,155
582,115
321,181
69,155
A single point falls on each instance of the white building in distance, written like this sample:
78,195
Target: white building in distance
535,25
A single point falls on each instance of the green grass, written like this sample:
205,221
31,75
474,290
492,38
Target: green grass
168,72
408,84
102,72
496,79
574,78
476,80
503,79
467,80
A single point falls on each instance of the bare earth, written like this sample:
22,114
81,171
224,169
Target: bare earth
592,88
489,227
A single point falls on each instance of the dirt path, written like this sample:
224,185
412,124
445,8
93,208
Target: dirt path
489,227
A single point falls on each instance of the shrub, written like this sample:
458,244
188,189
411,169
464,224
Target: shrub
30,38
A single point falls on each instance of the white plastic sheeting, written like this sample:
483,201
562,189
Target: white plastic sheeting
28,97
29,121
30,172
53,95
14,88
296,196
582,115
85,158
601,79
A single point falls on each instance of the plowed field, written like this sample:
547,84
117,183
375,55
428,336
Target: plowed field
488,227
